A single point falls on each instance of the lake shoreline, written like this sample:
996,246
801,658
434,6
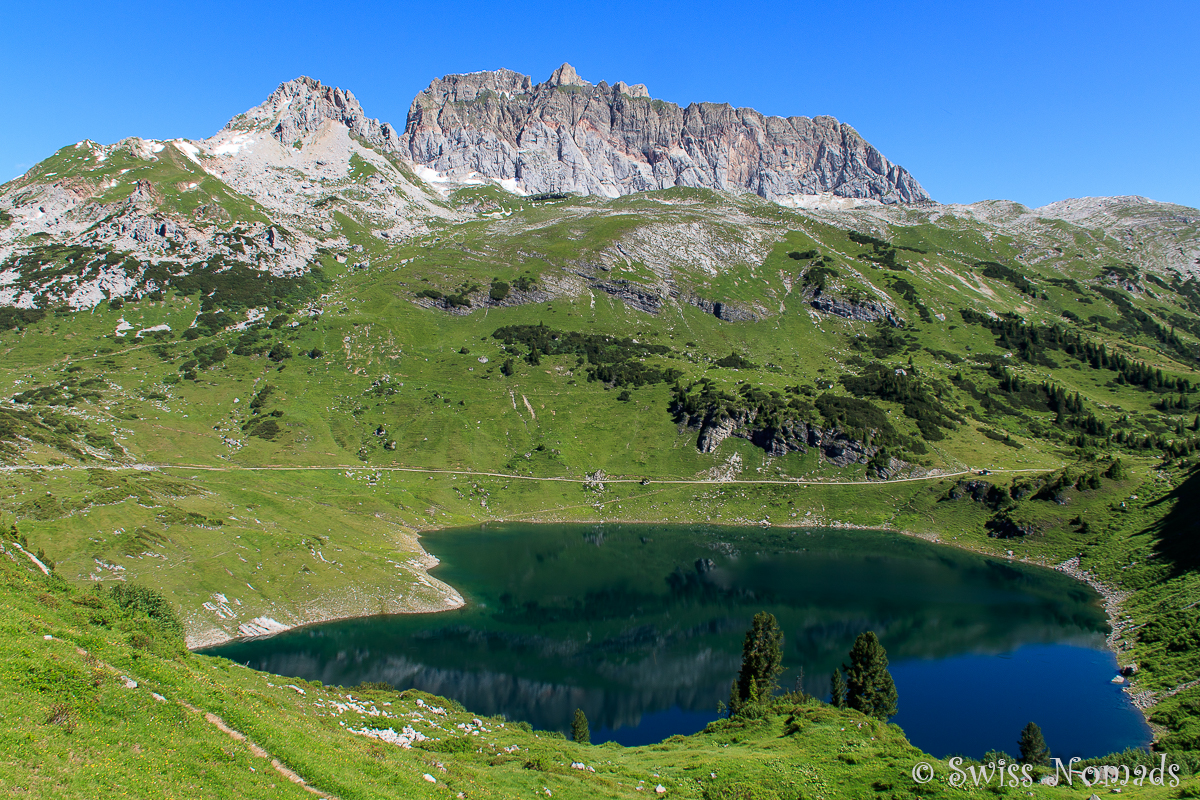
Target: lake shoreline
1112,598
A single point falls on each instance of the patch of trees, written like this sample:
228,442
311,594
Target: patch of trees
1067,406
1031,342
459,298
734,361
865,684
19,317
1000,272
818,277
236,286
770,408
615,361
986,494
886,341
882,253
1134,321
1178,630
498,290
63,393
899,386
909,293
155,605
252,342
864,421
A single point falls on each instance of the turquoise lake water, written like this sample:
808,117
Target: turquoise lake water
641,626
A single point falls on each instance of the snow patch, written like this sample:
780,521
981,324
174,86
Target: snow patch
825,202
152,329
261,626
231,147
431,175
188,149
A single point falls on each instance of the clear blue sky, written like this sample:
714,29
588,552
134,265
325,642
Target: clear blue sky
1028,101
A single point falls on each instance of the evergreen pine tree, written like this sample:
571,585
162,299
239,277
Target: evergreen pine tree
1033,745
1196,424
735,698
579,728
762,657
869,685
837,690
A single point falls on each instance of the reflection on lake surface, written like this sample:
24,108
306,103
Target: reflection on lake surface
641,627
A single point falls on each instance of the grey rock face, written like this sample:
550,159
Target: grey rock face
868,311
727,312
790,436
567,135
298,108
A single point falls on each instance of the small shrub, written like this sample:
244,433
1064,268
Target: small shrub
61,714
150,602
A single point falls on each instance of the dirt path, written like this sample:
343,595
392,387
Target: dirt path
507,476
217,723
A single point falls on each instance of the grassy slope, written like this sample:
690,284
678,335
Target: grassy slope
76,727
448,411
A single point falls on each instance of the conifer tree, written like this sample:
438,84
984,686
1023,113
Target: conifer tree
579,728
837,690
762,657
869,686
1033,745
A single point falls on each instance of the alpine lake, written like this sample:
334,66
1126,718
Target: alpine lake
641,626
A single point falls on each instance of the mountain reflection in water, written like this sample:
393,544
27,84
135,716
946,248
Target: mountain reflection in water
625,621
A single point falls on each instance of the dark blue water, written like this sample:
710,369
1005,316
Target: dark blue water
641,627
1065,688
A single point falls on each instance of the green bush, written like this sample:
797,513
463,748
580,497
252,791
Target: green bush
143,600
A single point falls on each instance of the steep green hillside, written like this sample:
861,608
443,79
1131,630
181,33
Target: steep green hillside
265,448
104,699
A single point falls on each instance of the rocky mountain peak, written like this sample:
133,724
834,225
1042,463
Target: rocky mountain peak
300,106
609,140
566,76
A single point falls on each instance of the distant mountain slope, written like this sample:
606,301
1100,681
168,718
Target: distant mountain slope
567,135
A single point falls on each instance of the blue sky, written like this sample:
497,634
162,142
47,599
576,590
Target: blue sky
1033,102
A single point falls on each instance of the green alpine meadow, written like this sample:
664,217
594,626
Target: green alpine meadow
241,376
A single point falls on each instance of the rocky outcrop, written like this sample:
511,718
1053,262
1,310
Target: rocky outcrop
568,135
725,311
632,294
299,107
789,437
1003,526
860,311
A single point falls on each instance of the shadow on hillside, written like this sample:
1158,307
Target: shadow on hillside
1178,534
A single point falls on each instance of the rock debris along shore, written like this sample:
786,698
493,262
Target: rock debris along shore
1114,600
568,135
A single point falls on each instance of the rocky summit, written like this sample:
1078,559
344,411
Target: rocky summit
568,135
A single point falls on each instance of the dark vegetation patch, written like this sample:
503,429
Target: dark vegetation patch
882,253
1135,321
611,360
1000,272
885,341
1031,343
763,409
19,317
221,283
921,404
